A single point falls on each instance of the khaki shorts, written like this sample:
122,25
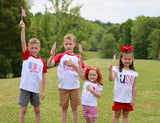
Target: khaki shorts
73,95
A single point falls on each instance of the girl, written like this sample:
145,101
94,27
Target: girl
92,88
125,84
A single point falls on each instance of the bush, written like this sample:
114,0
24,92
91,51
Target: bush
5,66
16,64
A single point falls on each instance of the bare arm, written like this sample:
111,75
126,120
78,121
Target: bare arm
96,93
51,61
23,41
43,85
80,70
112,74
74,66
71,64
134,92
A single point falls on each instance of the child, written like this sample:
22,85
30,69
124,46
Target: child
92,88
33,72
67,76
125,84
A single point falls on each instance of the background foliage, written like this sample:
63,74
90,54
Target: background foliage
142,33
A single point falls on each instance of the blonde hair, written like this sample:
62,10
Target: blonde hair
95,68
34,41
70,37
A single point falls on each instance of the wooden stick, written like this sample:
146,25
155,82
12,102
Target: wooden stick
21,13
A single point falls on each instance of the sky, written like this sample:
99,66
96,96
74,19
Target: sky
114,11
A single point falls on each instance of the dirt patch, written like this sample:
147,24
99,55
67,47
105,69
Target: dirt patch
149,105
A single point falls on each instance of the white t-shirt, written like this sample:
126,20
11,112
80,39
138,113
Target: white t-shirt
67,76
31,75
123,85
87,97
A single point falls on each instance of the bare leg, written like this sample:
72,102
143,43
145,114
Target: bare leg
22,114
87,120
75,114
116,116
64,114
37,114
125,116
92,121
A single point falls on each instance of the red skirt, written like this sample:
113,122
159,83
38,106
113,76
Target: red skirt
122,106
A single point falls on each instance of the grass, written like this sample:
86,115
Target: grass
90,55
146,109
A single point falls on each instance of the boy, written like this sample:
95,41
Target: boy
67,76
33,72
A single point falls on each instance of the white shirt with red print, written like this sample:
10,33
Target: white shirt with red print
123,85
67,76
87,97
31,75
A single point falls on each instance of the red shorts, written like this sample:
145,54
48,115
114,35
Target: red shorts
122,106
90,112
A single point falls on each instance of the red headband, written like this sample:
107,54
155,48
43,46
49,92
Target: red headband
123,48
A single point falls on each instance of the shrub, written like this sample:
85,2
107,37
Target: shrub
5,66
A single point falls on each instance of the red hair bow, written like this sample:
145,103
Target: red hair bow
87,69
123,48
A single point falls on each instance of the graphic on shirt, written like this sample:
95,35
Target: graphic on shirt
126,80
34,67
86,92
65,67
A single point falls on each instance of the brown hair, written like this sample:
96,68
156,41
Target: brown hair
120,62
95,68
70,37
34,41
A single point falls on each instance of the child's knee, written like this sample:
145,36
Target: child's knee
125,114
64,109
117,114
23,110
74,108
37,109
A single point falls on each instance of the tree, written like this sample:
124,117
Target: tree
141,29
10,43
95,33
154,46
126,33
53,26
5,66
45,25
115,30
67,20
16,63
108,46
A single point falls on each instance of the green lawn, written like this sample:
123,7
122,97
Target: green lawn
146,109
90,55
